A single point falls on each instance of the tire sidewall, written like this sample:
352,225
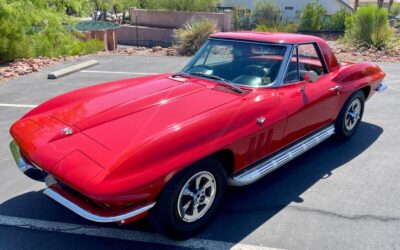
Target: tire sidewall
340,126
166,218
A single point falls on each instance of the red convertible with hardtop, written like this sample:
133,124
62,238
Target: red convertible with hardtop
167,145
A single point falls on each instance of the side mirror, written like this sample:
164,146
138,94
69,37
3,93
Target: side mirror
310,76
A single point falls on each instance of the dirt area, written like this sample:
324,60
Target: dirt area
345,52
143,51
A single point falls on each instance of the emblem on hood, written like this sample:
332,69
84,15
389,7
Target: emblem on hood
66,131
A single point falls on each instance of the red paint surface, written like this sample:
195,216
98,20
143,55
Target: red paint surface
131,136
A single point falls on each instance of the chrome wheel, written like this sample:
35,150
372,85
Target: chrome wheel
196,196
352,114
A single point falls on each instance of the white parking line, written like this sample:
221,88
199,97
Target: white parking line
121,234
116,72
17,105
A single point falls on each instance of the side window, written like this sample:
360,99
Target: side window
309,59
304,58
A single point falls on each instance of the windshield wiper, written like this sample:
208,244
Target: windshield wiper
221,81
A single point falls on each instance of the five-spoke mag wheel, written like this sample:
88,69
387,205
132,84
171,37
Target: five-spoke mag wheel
188,201
196,196
350,116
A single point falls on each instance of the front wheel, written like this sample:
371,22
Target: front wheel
189,200
350,116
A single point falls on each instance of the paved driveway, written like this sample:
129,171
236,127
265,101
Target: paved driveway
336,196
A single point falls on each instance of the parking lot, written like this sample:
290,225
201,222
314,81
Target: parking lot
336,196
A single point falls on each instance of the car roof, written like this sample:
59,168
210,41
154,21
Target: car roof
285,38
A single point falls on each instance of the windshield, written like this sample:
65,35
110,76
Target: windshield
243,63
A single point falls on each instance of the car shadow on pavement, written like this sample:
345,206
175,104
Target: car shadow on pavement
232,223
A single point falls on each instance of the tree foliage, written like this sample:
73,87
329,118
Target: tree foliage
312,16
395,10
369,27
336,22
178,5
31,28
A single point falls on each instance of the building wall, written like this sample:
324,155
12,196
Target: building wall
290,8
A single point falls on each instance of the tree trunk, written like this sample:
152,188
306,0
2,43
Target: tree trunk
380,3
356,4
390,4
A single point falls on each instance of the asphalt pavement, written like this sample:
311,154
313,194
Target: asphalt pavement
336,196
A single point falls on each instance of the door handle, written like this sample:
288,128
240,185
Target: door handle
336,89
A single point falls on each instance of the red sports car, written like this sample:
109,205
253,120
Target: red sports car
167,145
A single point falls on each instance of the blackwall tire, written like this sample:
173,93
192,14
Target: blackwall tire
189,200
350,116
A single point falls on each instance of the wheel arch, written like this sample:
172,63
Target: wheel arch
367,91
227,159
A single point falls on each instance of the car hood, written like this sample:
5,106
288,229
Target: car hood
139,107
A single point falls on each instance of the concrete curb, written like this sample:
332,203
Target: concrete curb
71,69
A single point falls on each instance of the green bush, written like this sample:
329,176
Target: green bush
279,27
179,5
336,22
194,34
241,19
312,16
395,10
369,28
267,16
267,13
32,28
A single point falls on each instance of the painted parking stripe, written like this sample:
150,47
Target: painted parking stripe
121,234
17,105
117,72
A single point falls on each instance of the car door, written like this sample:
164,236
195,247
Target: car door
310,105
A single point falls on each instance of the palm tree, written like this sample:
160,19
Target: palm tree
380,3
356,4
390,4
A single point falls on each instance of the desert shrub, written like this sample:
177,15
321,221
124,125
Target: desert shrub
241,19
395,10
336,21
369,27
193,34
32,28
312,16
179,5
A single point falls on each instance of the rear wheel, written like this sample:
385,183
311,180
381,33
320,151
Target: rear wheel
350,116
189,200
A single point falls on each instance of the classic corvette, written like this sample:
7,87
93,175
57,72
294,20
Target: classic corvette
167,145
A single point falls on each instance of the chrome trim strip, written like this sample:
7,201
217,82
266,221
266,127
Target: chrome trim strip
272,163
381,87
92,217
28,168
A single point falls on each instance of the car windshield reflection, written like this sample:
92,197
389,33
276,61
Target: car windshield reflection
242,63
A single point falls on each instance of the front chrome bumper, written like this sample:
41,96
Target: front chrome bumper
28,168
74,203
92,215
